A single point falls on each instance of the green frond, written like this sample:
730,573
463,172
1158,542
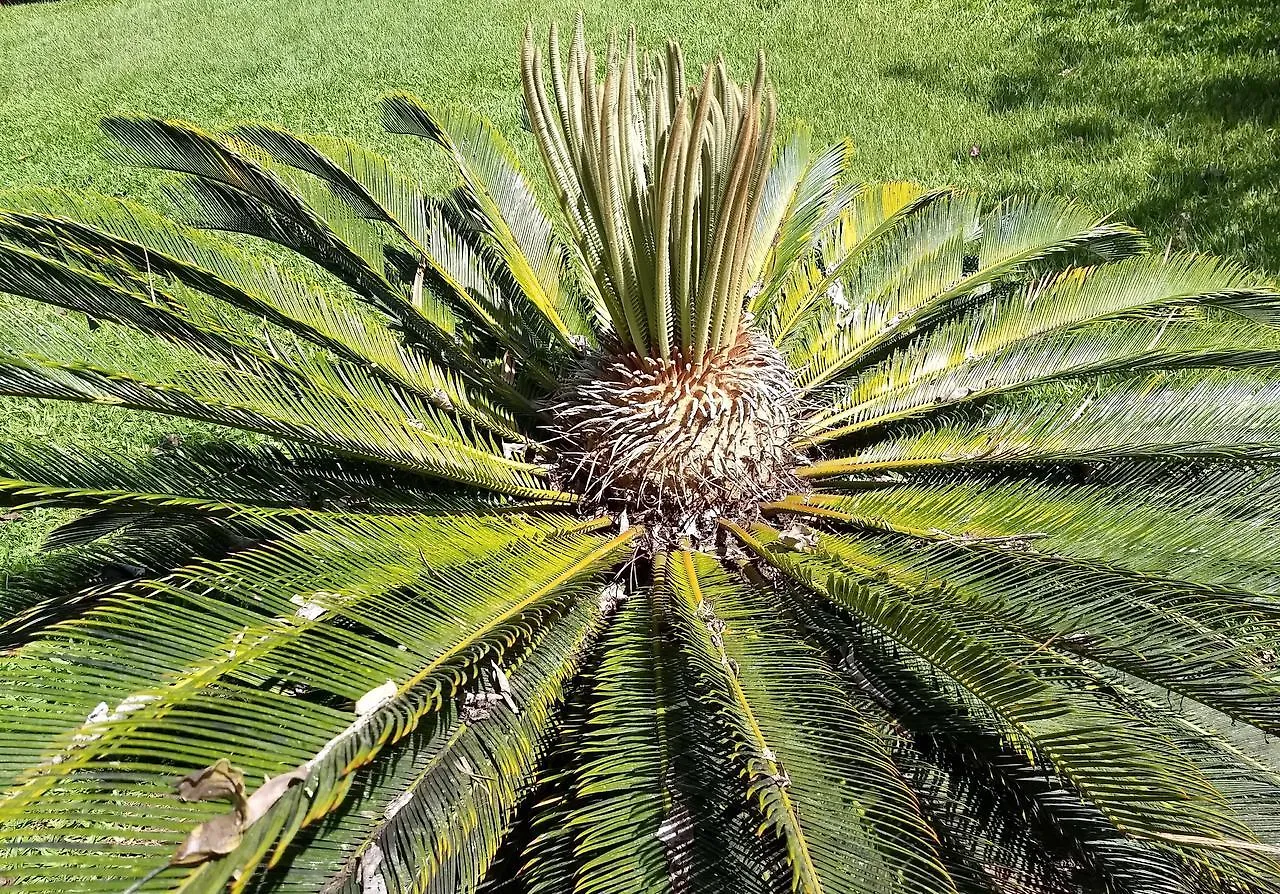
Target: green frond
805,197
1243,762
1002,824
642,795
910,384
620,766
1043,332
878,219
103,291
820,773
874,211
337,563
996,680
1058,710
358,176
508,210
921,274
1006,823
70,574
235,191
1215,526
464,268
95,524
413,601
997,806
125,238
1166,416
302,398
374,189
1203,643
219,480
429,816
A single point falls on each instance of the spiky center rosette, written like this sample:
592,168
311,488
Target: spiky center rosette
679,444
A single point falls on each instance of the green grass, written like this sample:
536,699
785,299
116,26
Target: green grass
1163,111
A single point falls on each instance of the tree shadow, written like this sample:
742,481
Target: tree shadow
1181,97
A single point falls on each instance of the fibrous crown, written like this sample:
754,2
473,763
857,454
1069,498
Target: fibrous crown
676,443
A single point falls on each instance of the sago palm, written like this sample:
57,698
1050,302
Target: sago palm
740,527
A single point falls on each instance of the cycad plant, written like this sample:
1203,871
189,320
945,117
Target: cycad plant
738,528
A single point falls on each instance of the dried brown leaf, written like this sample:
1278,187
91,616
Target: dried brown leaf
222,834
218,836
217,782
270,792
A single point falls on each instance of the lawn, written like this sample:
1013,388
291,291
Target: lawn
1164,112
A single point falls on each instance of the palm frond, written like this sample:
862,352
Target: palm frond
922,275
1090,737
1001,812
111,292
698,832
1043,332
144,251
1242,762
474,276
805,197
1207,644
430,816
619,815
877,219
361,590
301,398
1214,526
1166,416
820,773
507,208
219,480
336,563
367,181
235,191
72,573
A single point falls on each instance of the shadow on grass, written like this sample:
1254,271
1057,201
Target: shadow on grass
1183,96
